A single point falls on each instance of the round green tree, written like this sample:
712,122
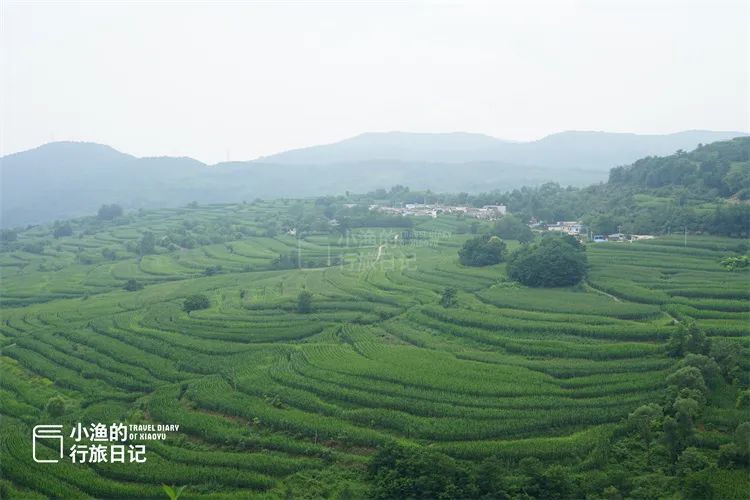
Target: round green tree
554,261
482,251
304,302
196,302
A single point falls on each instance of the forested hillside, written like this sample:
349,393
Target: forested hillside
705,190
719,169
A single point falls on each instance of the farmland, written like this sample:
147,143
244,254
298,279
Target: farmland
274,402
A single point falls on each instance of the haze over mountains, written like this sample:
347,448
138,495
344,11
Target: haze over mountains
67,179
572,149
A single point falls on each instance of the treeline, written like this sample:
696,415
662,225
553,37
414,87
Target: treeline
718,169
705,190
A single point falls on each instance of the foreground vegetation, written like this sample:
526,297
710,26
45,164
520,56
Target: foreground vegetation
308,359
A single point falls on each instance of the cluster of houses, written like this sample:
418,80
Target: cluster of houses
577,229
493,212
488,212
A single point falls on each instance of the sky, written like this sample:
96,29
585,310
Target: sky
234,80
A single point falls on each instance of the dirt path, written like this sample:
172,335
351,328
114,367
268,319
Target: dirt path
602,292
380,252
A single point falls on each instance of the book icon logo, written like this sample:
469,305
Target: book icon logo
48,432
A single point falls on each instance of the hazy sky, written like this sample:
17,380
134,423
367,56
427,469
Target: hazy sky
250,79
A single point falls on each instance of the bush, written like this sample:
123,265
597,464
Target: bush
511,228
735,263
448,298
132,285
482,251
109,212
62,229
212,270
304,302
554,261
55,406
401,472
196,302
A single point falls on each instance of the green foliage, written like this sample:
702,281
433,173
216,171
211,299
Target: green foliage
400,472
304,302
61,229
735,263
687,338
550,263
55,407
448,297
212,270
644,419
511,227
8,235
172,492
147,244
688,377
132,285
109,212
196,302
483,250
708,367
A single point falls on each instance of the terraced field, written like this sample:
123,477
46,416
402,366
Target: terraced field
272,402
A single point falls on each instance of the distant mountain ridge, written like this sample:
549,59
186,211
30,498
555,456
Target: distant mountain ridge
576,149
69,179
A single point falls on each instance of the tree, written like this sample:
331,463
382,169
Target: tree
691,460
707,366
735,263
686,410
511,227
147,245
132,285
672,437
109,253
212,270
304,302
687,377
688,337
554,261
196,302
62,229
697,487
448,297
482,251
643,419
416,472
55,406
8,235
109,212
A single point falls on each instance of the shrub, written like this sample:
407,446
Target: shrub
448,298
304,302
55,406
196,302
735,263
512,228
62,229
132,285
482,251
109,212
